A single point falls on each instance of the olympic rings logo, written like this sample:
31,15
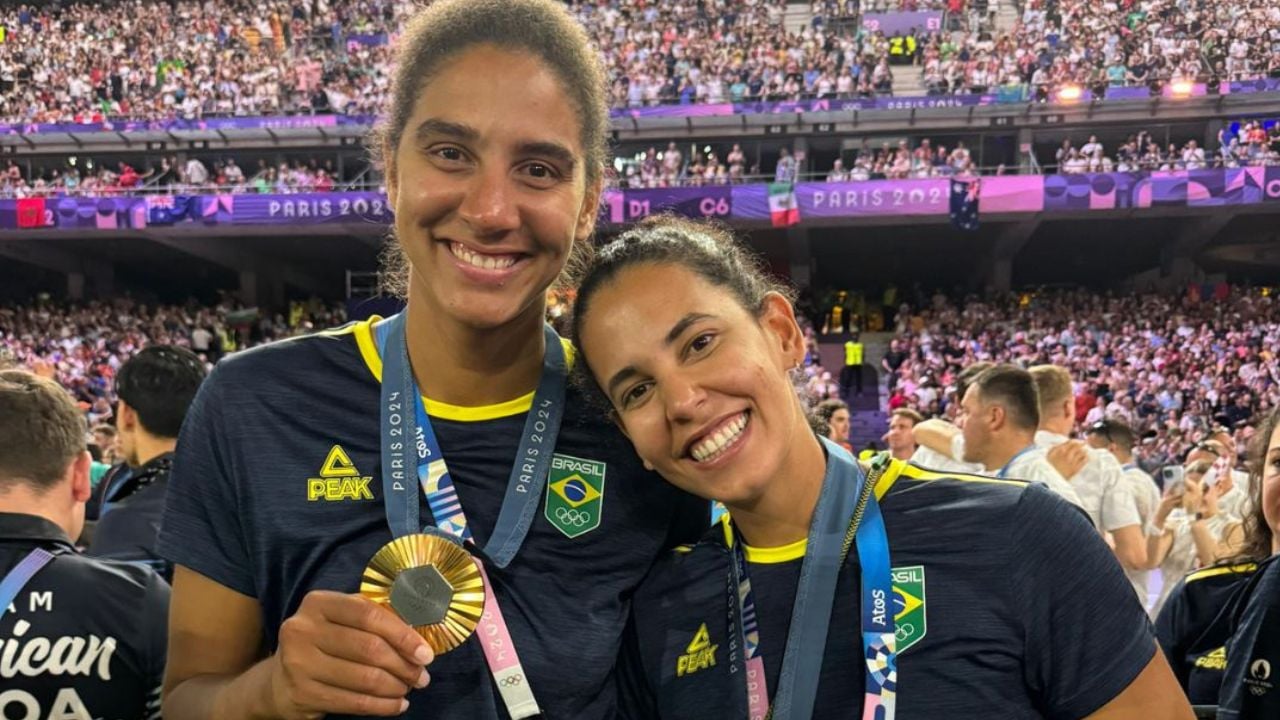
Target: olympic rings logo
570,516
513,681
904,631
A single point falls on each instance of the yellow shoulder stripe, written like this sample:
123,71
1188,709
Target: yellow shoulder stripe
796,550
1209,572
914,472
458,413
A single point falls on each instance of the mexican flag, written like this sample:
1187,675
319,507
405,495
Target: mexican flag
782,205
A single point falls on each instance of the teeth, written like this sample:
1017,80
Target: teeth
713,446
484,262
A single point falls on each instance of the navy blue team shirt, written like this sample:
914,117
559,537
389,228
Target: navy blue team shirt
277,491
1251,682
1194,626
1007,602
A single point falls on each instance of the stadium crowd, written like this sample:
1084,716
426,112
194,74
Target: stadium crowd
90,179
1096,45
1173,368
73,63
82,346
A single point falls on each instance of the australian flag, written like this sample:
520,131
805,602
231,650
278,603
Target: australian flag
964,204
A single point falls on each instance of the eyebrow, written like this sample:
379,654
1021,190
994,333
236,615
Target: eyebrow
436,126
465,133
672,335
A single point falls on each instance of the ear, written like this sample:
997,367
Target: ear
590,211
81,487
995,416
779,318
126,418
1069,408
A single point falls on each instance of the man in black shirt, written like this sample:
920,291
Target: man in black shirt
79,638
155,388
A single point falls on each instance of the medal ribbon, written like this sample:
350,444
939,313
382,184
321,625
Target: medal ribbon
400,451
846,505
1004,471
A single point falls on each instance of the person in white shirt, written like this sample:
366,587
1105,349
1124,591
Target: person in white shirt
1091,147
1001,415
1117,438
1235,499
1100,483
1187,529
197,174
1193,156
838,173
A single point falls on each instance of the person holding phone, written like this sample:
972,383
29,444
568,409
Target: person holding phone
1188,528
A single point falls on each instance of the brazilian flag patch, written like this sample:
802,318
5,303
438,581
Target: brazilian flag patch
909,605
575,494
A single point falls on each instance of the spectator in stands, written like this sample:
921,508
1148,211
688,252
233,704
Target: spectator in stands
1002,415
899,438
1099,482
1117,438
1188,527
787,167
834,415
155,388
107,440
82,636
1110,349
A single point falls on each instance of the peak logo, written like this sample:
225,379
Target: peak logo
699,655
339,480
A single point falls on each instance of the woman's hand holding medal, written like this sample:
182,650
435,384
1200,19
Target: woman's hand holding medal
345,654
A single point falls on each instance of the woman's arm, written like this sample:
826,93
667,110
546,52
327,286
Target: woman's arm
1155,693
338,654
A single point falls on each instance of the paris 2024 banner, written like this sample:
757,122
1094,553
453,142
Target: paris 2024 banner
779,205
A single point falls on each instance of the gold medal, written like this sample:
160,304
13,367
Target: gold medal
432,584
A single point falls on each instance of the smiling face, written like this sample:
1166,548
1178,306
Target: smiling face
698,383
488,202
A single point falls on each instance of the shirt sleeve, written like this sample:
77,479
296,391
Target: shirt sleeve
1119,508
201,527
1087,637
1042,472
155,609
1171,634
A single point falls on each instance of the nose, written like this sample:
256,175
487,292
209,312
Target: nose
489,207
684,397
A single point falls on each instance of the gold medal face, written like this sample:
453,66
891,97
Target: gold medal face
431,583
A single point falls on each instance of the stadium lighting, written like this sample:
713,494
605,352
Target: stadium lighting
1070,93
1181,88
